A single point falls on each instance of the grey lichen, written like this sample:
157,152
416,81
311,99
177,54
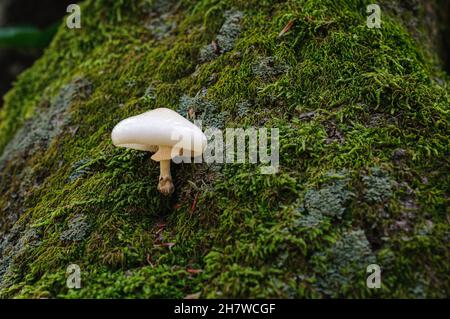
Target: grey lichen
79,169
13,247
425,229
267,68
77,229
225,40
378,186
309,220
158,7
329,200
161,27
344,264
200,108
48,122
243,108
150,93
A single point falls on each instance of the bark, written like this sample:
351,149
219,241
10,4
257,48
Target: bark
363,178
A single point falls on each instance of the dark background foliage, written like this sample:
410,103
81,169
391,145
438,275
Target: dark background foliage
44,16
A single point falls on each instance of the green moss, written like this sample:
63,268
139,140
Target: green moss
226,38
344,97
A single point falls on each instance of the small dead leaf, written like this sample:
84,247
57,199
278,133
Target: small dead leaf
307,116
215,47
193,296
195,202
161,225
74,130
286,28
191,114
194,271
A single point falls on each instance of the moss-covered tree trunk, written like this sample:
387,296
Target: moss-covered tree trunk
364,146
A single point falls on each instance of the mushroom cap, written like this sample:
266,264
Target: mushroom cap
159,128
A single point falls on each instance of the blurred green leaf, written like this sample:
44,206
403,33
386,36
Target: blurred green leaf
26,37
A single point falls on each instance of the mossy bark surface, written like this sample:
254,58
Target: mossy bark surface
364,147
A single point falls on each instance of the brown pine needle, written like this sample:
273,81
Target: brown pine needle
194,203
286,28
193,271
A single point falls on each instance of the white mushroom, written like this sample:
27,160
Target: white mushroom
162,131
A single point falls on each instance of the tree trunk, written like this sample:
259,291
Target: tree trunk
362,115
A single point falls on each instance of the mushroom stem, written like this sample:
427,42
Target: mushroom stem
165,185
